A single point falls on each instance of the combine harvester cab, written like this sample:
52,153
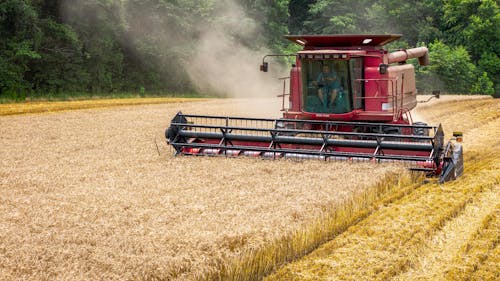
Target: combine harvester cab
349,100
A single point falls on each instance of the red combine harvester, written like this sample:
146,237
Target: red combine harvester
349,100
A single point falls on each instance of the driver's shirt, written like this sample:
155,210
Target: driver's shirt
322,79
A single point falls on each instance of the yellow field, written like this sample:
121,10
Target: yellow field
85,195
40,107
437,232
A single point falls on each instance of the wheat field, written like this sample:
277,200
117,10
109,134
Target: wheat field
97,194
436,232
55,106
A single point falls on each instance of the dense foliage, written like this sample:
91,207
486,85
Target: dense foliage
463,35
109,46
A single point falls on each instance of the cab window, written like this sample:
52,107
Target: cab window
328,85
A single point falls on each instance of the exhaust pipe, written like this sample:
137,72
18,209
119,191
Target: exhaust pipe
422,53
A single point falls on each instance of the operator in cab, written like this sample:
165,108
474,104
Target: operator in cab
328,86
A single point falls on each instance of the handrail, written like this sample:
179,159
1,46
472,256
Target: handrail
283,94
396,96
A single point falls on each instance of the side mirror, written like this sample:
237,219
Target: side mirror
263,67
435,94
382,68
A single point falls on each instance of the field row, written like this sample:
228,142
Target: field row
84,195
412,238
479,257
388,242
436,258
54,106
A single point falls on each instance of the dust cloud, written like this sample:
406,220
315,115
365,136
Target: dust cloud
219,61
224,65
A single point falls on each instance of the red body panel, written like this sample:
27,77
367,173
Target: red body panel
295,86
344,40
386,96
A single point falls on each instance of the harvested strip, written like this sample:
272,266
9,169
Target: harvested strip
442,248
460,115
476,260
383,245
40,107
490,268
432,263
255,264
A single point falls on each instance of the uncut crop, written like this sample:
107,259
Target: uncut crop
45,107
85,195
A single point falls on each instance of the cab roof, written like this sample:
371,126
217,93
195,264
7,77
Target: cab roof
343,40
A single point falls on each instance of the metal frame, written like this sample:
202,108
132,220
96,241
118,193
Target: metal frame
274,138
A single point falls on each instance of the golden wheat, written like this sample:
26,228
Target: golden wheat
44,107
389,242
490,268
476,258
384,244
437,255
84,195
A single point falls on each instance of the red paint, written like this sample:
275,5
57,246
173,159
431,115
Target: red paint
383,94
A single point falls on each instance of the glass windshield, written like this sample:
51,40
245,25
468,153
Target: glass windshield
327,85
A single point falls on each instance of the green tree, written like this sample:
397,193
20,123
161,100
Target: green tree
474,24
338,17
483,85
490,63
418,21
299,14
104,46
98,26
20,40
60,65
450,70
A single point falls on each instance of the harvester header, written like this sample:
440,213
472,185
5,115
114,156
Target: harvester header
349,99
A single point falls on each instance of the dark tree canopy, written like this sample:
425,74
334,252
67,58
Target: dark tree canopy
108,46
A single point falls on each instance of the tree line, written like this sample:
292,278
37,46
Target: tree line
110,46
463,36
